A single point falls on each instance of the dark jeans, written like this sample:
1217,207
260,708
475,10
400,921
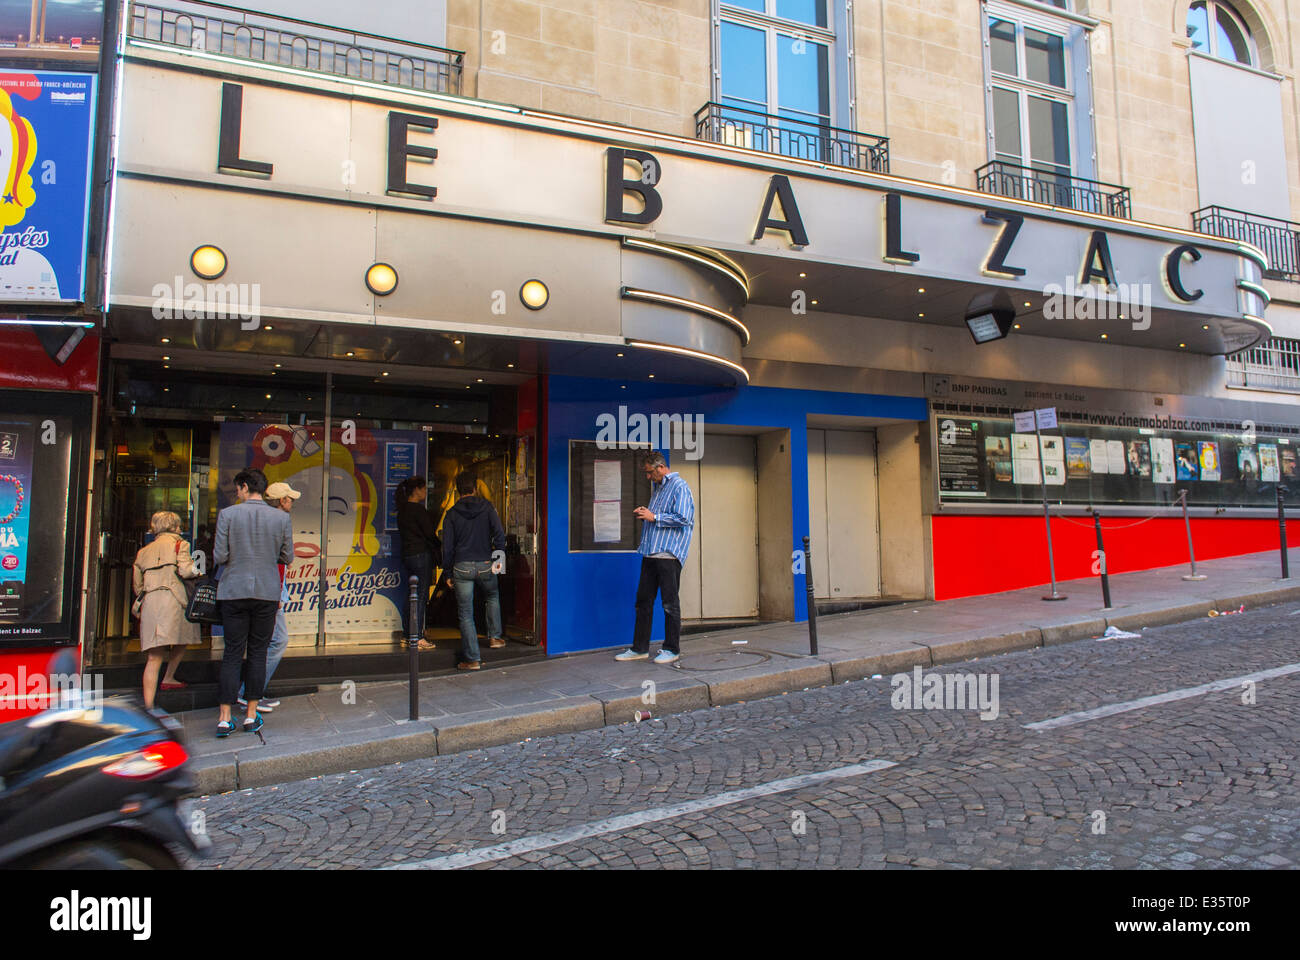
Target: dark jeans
248,625
418,565
662,576
465,574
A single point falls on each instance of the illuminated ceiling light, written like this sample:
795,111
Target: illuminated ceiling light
814,303
1016,326
351,354
510,365
165,340
277,366
1205,326
920,289
479,380
167,389
534,294
268,396
802,275
208,262
456,341
920,316
618,354
381,279
1183,345
1028,304
384,373
652,376
167,366
268,327
1105,336
165,357
623,387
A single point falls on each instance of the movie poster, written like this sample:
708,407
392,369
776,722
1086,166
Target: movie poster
1269,470
1053,461
1185,454
997,454
16,439
1162,460
1290,463
364,575
1210,469
1247,462
1024,464
1139,459
1078,458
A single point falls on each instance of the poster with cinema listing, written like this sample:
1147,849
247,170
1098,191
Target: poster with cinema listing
987,460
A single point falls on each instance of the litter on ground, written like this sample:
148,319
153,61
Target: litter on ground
1115,633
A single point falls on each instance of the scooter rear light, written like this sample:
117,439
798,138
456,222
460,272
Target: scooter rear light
149,762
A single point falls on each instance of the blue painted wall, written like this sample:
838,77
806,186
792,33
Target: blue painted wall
590,596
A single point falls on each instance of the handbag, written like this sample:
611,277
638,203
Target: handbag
204,607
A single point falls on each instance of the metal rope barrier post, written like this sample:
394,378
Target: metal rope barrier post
1101,556
1044,418
1281,526
1191,553
413,646
812,602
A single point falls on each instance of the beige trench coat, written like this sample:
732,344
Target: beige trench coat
162,615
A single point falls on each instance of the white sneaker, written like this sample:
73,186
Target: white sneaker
666,656
632,655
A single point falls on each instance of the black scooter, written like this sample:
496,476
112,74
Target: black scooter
94,786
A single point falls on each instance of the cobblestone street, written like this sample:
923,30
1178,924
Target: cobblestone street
1202,781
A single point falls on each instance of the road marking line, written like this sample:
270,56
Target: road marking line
543,841
1185,693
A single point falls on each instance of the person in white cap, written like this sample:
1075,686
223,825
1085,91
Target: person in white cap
279,496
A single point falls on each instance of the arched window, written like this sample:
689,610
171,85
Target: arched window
1218,30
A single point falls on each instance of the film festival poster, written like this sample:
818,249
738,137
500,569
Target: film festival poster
1078,458
16,491
1268,463
997,454
1209,451
1185,454
365,580
1139,459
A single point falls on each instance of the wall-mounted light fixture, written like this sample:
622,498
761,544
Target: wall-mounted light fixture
381,279
989,316
534,294
208,262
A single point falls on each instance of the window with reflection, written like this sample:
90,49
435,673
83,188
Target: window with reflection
1218,30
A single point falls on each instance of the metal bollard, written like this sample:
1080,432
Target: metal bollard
1191,553
1101,550
1281,525
413,647
812,602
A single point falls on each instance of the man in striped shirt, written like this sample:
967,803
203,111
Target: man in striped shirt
665,541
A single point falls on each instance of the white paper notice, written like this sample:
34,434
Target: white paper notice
1162,460
1118,459
607,510
606,517
1100,456
608,480
1025,471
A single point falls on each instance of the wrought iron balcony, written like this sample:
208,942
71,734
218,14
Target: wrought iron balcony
1272,365
263,38
738,127
1279,239
1042,186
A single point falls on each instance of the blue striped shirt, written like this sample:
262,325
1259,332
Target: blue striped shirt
674,508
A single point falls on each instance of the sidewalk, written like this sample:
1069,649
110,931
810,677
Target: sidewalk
321,733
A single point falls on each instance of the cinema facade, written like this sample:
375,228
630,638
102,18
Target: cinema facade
437,284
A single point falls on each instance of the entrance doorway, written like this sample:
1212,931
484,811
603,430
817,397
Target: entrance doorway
844,514
720,578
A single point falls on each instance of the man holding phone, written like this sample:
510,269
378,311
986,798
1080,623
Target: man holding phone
665,540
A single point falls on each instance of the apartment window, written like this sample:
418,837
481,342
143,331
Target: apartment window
1031,93
776,62
1216,29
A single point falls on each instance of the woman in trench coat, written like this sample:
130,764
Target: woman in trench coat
164,631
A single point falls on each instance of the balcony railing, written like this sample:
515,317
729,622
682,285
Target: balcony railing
752,130
248,35
1272,365
1042,186
1279,239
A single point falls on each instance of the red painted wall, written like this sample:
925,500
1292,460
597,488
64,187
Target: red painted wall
975,555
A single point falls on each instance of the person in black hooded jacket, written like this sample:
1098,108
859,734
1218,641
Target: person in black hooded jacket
471,531
420,546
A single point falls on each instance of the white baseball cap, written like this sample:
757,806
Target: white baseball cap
280,490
